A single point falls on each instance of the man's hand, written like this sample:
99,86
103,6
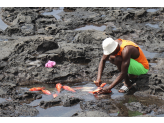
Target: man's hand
104,90
98,83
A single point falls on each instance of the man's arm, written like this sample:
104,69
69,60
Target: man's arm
101,68
126,55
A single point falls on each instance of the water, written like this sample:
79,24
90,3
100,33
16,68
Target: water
58,110
153,25
126,9
92,27
3,26
152,10
2,100
3,39
55,13
147,54
130,9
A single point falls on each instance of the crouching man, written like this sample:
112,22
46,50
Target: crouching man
129,59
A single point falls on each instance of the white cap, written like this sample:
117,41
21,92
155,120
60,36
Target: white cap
109,45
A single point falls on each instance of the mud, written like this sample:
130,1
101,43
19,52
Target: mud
30,36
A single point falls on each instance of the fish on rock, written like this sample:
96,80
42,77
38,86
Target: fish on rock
58,87
37,89
46,92
68,88
55,95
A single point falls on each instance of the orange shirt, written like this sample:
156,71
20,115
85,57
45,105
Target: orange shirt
141,59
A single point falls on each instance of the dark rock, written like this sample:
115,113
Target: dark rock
45,104
15,109
91,114
136,106
160,110
69,101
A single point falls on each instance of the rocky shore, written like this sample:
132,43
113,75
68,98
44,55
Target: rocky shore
32,38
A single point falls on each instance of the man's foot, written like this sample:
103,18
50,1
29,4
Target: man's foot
124,88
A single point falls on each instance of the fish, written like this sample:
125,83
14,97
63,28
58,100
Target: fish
55,95
68,88
46,92
103,84
37,89
58,86
96,91
77,88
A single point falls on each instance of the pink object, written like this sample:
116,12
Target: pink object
50,64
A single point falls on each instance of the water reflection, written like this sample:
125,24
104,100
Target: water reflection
153,25
55,13
3,26
147,54
152,10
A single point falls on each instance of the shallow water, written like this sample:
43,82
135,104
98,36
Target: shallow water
153,25
55,13
3,26
3,39
152,10
147,54
59,111
2,100
92,27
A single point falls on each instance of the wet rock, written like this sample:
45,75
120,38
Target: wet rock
160,110
136,106
41,22
105,106
28,29
1,31
45,104
69,101
91,114
29,94
146,115
13,30
15,109
1,77
21,19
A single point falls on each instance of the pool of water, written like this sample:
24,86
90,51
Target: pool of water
55,13
152,10
3,26
153,25
59,111
3,39
147,54
92,27
2,100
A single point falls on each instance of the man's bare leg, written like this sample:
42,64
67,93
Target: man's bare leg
127,82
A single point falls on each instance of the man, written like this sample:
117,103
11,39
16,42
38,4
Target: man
129,59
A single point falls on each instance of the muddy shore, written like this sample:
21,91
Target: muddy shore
29,37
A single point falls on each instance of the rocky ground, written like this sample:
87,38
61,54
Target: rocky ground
34,38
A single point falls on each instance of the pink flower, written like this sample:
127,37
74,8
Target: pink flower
50,64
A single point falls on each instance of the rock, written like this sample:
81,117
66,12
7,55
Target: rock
15,109
13,30
136,106
69,101
28,29
91,114
45,104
